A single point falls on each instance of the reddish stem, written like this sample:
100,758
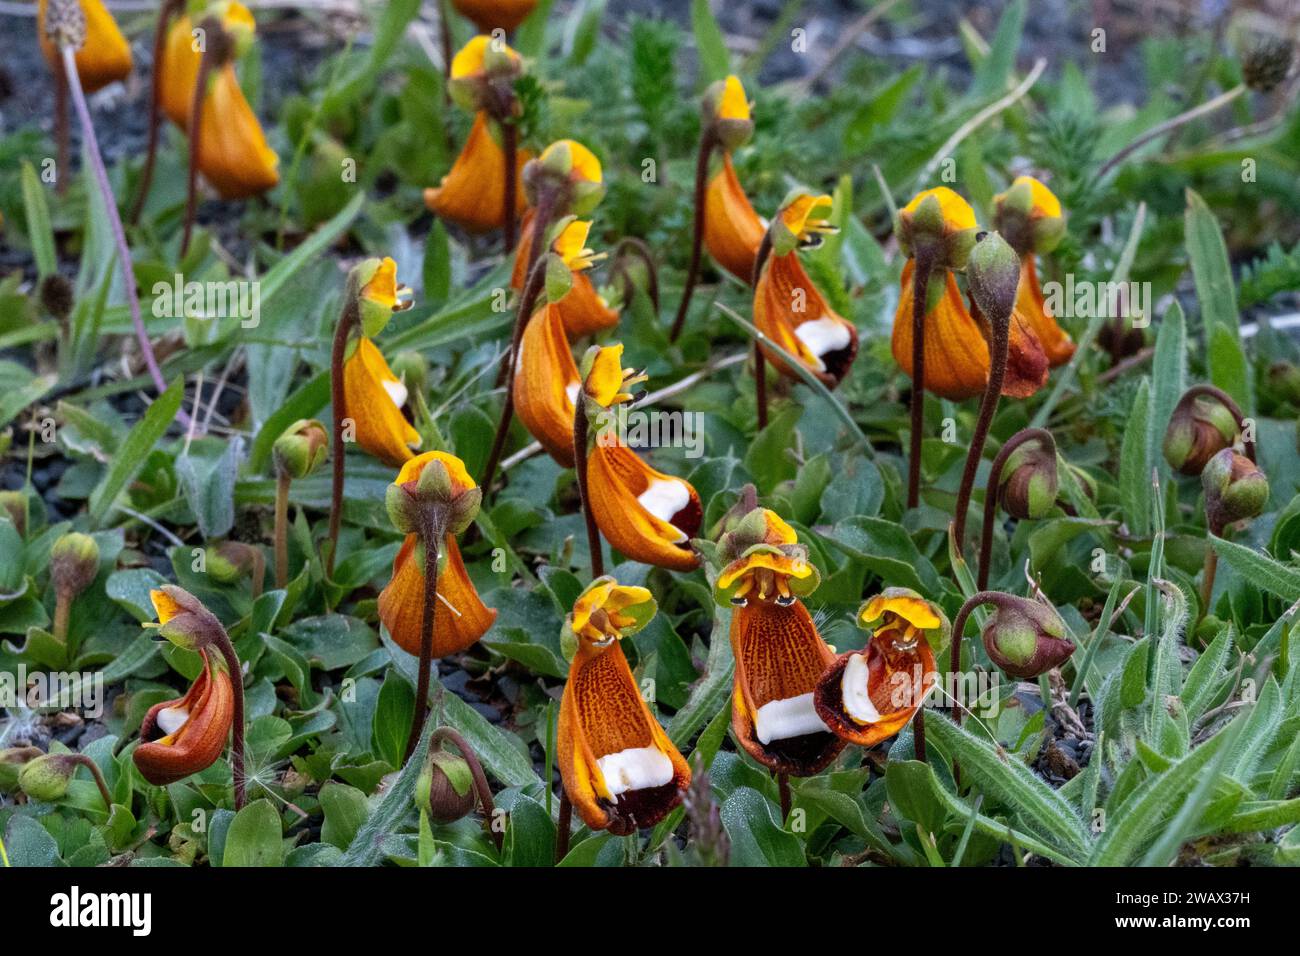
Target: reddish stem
432,537
988,408
481,787
510,148
195,133
165,14
338,400
563,825
584,488
922,267
991,493
237,725
707,143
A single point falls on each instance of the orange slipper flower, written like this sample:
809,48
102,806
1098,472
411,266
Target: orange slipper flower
645,514
461,617
489,15
472,194
374,397
620,770
779,655
868,696
583,311
1030,218
185,736
732,230
104,58
233,153
789,309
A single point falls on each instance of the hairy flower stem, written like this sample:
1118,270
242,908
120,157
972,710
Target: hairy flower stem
562,825
166,12
282,529
708,142
991,494
918,734
1171,124
584,486
431,535
988,408
924,265
783,791
510,150
481,787
82,760
527,299
237,726
958,627
62,611
760,361
1210,570
1233,408
348,320
195,132
257,577
114,223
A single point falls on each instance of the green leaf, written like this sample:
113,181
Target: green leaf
304,403
135,449
254,838
394,711
1259,569
757,838
1168,371
1135,463
715,63
345,810
395,806
995,773
1216,293
993,74
40,232
713,692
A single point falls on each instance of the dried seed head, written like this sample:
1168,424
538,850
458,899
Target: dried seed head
57,296
65,23
1267,63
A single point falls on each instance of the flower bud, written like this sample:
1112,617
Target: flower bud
74,562
1025,638
445,787
937,223
47,777
1120,339
1199,427
1028,215
483,75
1284,378
12,761
993,272
14,504
1028,483
568,174
232,560
378,294
301,448
433,492
183,619
412,370
726,112
1235,489
1267,63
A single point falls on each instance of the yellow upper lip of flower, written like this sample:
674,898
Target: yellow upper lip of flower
957,212
916,611
585,164
733,105
166,606
1045,205
782,566
382,289
607,381
460,478
806,215
469,59
571,246
612,599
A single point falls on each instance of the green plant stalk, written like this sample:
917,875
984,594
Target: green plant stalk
708,142
1098,634
584,486
82,760
431,535
282,483
563,825
62,610
641,251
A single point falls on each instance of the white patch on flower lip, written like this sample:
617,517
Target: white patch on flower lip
665,498
791,717
854,691
572,390
172,719
636,768
822,336
396,391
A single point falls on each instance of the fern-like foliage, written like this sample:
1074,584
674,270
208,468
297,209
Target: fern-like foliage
1278,271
